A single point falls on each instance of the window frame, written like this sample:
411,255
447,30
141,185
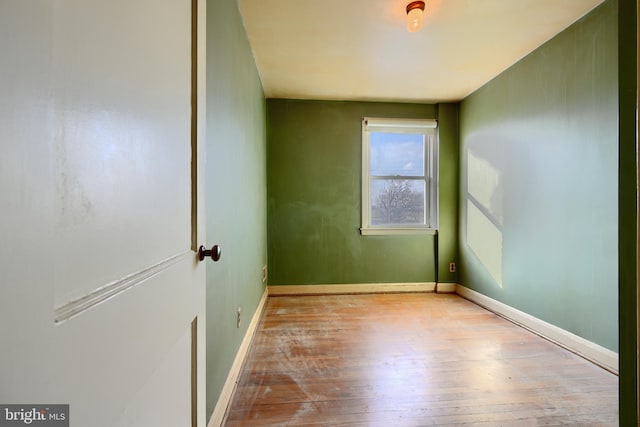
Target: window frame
426,127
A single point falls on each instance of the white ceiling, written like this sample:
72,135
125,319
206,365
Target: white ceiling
361,49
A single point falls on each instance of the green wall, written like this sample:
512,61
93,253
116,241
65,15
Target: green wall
235,188
539,183
314,197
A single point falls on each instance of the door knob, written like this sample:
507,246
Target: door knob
215,252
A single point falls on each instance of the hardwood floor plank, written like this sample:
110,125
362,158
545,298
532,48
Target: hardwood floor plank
411,360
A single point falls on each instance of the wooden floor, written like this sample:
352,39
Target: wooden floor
411,360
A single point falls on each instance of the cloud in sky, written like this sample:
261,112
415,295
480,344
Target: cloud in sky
396,154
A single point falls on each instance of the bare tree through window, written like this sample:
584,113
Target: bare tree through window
398,201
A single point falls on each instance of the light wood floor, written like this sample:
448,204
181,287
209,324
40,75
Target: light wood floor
411,360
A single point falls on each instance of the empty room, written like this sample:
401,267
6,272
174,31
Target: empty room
519,179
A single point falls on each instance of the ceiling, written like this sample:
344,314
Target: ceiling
361,49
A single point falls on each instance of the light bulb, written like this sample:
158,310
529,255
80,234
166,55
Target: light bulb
415,15
414,20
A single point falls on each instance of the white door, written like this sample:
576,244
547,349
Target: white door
101,294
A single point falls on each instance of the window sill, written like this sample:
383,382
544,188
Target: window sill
387,231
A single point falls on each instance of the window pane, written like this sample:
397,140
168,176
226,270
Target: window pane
396,154
397,201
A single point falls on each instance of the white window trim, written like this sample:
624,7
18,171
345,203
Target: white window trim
431,172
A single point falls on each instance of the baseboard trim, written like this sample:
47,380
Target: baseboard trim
591,351
446,288
217,417
356,288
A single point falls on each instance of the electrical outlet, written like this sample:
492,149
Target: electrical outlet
452,267
239,317
264,273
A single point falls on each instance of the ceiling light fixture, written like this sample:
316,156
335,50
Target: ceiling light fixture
415,11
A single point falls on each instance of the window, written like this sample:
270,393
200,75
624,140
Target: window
399,176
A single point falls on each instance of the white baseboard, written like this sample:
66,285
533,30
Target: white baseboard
446,288
356,288
217,417
597,354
